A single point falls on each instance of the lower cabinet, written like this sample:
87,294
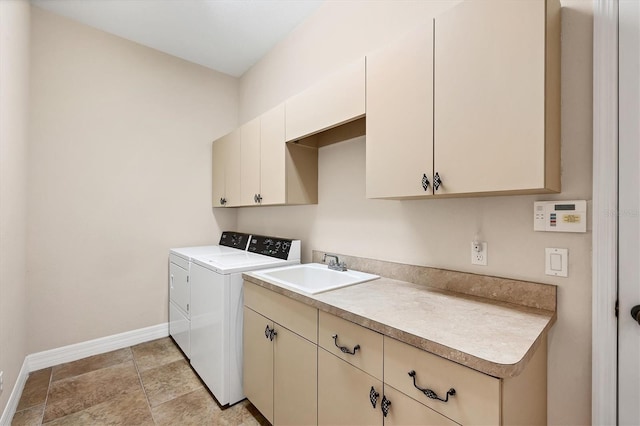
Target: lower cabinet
257,377
295,381
304,367
280,373
346,395
405,411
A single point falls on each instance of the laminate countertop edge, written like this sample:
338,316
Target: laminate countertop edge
493,337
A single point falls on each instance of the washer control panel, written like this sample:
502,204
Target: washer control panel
235,240
279,248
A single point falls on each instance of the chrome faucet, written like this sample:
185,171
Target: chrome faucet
335,264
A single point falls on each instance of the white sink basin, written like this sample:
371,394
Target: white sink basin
314,278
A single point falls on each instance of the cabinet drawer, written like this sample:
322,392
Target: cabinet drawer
367,357
404,411
297,317
477,396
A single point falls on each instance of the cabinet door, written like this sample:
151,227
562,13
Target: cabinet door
272,157
232,169
295,393
405,411
226,170
219,161
490,96
400,116
344,393
335,100
250,162
257,378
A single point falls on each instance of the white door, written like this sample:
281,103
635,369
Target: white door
629,213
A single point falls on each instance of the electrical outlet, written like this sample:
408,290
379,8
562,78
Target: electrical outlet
479,253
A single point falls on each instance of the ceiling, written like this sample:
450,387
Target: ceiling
225,35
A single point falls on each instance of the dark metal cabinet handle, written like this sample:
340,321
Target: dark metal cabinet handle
425,182
344,349
385,405
437,182
258,198
428,392
635,313
270,333
223,201
373,397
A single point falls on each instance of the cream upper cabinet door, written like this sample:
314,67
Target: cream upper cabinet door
399,152
250,162
219,161
226,170
272,157
232,169
335,100
497,91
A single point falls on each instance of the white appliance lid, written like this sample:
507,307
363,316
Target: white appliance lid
228,263
190,252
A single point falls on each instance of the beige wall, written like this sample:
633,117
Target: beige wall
119,172
438,232
14,95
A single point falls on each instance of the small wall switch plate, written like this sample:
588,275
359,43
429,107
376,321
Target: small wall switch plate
479,253
556,262
1,381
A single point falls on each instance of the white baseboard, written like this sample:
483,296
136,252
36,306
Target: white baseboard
77,351
40,360
16,393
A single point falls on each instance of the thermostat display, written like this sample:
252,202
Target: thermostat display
564,216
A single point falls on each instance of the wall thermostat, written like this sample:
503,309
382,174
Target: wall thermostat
560,216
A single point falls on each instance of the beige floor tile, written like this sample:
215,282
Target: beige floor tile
242,414
194,408
169,381
128,408
155,353
77,393
28,417
35,390
150,381
92,363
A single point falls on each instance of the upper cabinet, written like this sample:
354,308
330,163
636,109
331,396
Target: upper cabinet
263,153
497,97
266,170
399,152
468,104
226,170
333,101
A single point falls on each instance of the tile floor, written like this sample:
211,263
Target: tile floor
147,384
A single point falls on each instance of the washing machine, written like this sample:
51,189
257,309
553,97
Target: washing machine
217,314
179,277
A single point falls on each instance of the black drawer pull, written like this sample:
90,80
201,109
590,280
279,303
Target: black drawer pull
428,392
344,349
270,333
385,405
373,397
